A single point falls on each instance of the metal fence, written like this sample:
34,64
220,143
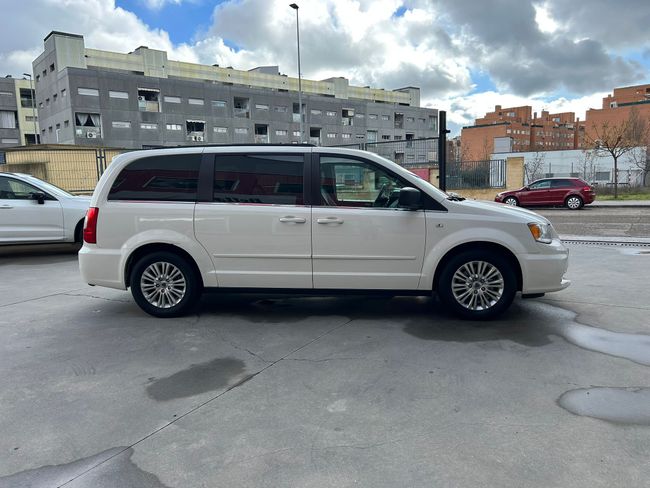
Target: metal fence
476,174
407,153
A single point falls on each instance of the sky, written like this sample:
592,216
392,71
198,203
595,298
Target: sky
466,55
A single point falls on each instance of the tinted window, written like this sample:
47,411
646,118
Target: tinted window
262,179
561,184
352,183
11,189
540,185
172,178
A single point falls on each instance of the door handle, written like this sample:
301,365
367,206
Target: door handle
329,220
6,206
292,219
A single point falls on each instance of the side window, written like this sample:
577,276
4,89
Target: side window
261,179
167,178
541,185
561,184
346,182
11,189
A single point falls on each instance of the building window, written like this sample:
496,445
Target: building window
148,126
241,108
399,120
44,73
148,100
385,117
169,99
8,119
281,132
49,129
91,92
296,133
261,106
121,124
31,118
316,112
220,130
372,116
346,136
422,121
360,136
47,101
281,109
174,127
64,93
410,119
9,141
195,130
118,94
433,123
385,138
87,125
330,113
38,78
331,135
6,94
52,67
241,130
195,101
66,123
360,116
40,104
218,104
347,116
54,97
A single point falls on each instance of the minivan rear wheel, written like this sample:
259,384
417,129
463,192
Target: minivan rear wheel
477,285
164,284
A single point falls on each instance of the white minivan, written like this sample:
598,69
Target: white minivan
171,223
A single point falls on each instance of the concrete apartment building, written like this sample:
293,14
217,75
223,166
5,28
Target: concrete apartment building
143,99
519,129
617,107
18,121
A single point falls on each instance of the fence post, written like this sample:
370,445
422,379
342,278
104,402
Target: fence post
442,150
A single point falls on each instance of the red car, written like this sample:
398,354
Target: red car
572,193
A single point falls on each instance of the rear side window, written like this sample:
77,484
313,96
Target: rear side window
260,179
167,178
562,184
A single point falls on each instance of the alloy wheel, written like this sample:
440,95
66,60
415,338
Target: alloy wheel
477,285
163,285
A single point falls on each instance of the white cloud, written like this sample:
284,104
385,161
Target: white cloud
543,18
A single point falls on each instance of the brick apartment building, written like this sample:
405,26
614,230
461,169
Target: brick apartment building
519,129
618,106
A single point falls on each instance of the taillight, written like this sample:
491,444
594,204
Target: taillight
587,188
90,225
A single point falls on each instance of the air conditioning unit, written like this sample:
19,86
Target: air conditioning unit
198,138
91,135
141,98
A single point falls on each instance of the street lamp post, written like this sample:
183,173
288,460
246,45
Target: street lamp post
302,131
31,92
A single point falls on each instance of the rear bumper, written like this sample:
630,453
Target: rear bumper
544,272
101,267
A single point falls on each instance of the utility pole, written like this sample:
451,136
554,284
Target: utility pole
302,130
442,150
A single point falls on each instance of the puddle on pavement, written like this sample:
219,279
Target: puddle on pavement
635,252
618,405
119,471
198,378
534,325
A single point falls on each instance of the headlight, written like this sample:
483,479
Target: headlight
541,232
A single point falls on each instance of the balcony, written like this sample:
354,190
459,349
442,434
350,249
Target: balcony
242,113
315,141
261,139
147,106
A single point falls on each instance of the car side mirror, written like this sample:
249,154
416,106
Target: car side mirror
39,197
526,188
409,198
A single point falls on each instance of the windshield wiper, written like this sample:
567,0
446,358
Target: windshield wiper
455,197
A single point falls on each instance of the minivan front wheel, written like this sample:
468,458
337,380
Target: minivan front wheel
164,284
477,285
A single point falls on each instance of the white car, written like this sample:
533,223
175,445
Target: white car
170,223
35,211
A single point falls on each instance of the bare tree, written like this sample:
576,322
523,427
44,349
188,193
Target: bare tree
641,156
533,167
617,139
486,151
587,165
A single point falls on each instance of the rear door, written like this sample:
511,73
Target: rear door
23,219
361,239
559,191
257,226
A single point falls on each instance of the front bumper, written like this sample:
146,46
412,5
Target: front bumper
543,272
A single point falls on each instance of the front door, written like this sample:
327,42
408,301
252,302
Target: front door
23,219
257,227
537,194
361,239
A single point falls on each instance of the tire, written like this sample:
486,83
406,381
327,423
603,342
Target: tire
79,232
489,301
573,202
160,271
511,201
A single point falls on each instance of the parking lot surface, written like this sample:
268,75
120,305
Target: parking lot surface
267,391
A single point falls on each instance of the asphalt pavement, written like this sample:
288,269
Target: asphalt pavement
609,222
271,391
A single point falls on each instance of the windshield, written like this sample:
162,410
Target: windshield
49,187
